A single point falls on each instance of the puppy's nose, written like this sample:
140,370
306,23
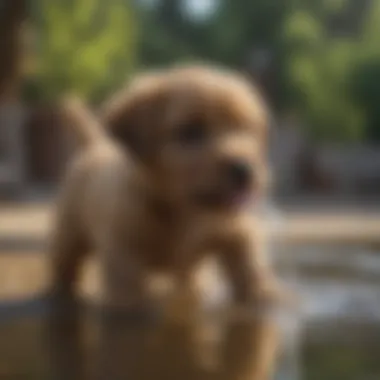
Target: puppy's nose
239,173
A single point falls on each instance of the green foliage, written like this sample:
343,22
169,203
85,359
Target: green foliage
319,68
86,46
326,56
365,79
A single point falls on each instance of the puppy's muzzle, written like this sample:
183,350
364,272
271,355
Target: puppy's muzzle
238,174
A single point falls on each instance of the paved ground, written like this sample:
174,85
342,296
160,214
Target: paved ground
26,225
23,231
24,219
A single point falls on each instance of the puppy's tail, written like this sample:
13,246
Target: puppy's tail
82,121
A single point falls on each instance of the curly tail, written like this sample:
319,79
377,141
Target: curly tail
82,121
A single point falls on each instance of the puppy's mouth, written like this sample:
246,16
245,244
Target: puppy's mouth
236,187
225,198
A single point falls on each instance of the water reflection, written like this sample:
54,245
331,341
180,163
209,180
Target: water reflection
105,349
65,346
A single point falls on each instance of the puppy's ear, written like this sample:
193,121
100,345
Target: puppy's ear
133,116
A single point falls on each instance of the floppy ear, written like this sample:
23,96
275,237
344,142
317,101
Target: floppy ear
133,116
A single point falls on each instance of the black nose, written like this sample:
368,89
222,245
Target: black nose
239,173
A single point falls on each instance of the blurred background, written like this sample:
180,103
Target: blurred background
317,62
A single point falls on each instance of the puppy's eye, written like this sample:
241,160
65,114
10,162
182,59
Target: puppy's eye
192,134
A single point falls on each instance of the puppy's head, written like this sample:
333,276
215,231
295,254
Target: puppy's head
200,132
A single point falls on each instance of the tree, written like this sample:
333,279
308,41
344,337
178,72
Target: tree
365,80
323,54
229,33
86,46
319,67
168,34
13,14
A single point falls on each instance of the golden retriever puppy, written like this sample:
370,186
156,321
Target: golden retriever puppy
172,176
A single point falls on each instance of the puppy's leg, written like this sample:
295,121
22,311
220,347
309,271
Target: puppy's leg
68,248
124,283
248,269
185,304
68,244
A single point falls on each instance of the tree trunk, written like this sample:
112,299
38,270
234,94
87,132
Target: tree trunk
12,17
12,114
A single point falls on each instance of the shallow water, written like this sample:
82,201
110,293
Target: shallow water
36,346
85,347
337,335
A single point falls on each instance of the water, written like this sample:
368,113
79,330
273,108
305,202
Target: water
82,346
336,336
340,290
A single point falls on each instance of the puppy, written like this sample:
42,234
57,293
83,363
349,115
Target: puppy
172,176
